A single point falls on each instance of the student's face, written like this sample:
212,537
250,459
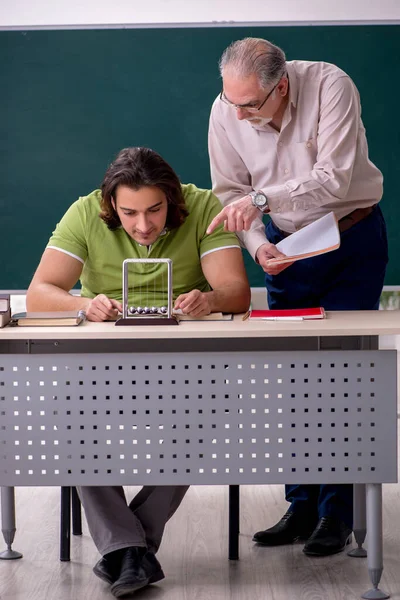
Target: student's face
143,212
245,95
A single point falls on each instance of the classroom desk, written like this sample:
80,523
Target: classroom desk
212,402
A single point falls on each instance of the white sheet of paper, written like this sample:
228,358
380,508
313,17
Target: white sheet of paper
318,237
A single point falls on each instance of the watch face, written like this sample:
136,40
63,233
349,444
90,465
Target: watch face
260,200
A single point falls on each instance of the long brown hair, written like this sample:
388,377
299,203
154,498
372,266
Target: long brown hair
137,168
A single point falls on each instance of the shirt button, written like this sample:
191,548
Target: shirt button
286,171
280,143
308,144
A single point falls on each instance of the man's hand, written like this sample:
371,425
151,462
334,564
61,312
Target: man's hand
102,308
264,255
194,303
237,216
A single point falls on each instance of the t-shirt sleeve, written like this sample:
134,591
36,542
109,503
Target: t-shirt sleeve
219,238
70,233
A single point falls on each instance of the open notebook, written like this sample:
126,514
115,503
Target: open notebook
216,316
316,238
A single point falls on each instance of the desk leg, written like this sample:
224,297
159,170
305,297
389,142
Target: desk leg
375,545
234,522
76,512
65,524
359,520
8,522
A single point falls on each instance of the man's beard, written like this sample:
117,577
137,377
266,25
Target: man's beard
260,121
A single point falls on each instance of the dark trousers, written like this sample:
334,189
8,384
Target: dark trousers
349,278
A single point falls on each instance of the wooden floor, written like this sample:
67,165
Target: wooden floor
194,554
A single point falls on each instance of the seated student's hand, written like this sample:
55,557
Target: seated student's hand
102,308
194,303
264,255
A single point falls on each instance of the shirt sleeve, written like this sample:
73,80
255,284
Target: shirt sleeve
338,129
231,179
219,238
70,233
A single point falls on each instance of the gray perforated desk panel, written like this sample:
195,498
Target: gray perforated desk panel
202,403
201,418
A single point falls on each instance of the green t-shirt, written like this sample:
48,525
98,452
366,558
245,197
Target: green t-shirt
82,234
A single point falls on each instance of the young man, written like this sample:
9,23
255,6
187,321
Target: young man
286,138
141,211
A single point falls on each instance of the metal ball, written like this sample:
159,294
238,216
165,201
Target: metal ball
132,310
163,310
147,310
154,310
139,310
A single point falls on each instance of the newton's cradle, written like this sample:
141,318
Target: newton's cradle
147,315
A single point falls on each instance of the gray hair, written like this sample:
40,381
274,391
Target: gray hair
254,55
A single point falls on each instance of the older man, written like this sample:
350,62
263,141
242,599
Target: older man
286,139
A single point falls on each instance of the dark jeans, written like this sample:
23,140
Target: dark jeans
349,278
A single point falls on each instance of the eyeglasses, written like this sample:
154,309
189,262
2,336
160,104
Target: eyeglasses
248,107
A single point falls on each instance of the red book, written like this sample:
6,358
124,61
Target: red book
289,314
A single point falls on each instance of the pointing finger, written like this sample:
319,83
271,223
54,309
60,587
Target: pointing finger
220,218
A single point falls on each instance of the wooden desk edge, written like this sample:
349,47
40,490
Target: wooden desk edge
341,323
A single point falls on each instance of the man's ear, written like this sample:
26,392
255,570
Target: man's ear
113,204
283,86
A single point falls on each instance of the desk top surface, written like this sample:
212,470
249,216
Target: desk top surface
343,323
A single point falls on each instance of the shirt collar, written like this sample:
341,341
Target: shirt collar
162,234
293,84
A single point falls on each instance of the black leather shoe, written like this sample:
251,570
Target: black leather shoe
109,566
152,568
329,537
291,527
138,569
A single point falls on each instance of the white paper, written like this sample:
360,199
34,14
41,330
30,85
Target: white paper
316,238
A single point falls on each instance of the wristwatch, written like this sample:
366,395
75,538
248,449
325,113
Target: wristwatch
260,201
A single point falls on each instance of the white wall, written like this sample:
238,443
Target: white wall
102,13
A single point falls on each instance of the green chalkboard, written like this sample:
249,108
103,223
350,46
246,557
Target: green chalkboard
71,99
